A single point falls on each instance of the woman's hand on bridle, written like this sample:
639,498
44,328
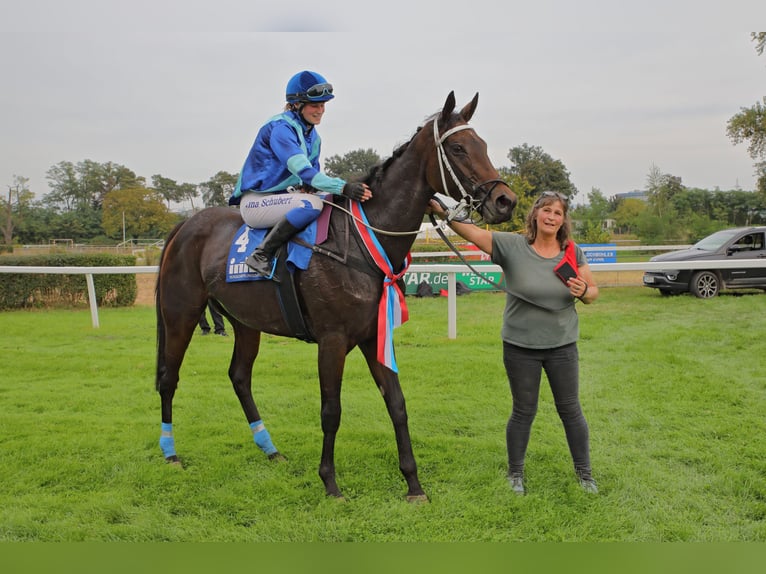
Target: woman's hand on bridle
436,207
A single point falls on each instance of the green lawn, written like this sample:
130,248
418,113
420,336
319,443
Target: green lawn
672,388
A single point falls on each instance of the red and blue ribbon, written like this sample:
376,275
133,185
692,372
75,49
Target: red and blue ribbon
392,309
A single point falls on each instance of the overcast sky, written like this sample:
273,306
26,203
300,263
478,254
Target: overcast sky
179,88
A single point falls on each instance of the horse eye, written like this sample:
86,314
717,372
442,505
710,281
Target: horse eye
458,149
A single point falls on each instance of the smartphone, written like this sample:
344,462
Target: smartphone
565,271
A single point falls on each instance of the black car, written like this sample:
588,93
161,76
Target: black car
726,245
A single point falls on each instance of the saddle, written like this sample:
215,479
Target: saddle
335,232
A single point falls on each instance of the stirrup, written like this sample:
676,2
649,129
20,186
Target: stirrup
263,269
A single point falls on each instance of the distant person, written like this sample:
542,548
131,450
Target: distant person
280,184
218,324
540,325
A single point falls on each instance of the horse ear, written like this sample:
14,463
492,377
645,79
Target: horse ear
467,112
449,107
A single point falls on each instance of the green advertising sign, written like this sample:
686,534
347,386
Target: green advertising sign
439,281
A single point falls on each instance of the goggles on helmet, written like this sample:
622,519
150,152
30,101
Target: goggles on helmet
314,93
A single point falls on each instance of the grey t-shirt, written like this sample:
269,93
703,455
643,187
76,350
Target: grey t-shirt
552,321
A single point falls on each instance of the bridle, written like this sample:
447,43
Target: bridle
467,205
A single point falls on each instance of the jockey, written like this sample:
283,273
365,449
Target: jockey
281,186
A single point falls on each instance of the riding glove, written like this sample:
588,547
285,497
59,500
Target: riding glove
354,190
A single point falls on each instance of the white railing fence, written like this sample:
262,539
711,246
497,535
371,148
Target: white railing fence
451,269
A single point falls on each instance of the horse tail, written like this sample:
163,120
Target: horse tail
158,307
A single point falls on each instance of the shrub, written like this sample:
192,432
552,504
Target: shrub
22,290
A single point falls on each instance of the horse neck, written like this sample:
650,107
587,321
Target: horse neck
399,203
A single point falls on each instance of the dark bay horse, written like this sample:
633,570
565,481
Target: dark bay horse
339,301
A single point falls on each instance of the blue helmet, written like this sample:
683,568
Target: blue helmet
308,86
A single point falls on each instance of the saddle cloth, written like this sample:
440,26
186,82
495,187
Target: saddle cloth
247,239
298,256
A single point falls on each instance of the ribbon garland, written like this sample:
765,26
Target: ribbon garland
392,309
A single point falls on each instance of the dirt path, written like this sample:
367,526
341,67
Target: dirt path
145,283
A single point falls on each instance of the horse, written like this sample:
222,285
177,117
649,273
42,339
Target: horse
339,301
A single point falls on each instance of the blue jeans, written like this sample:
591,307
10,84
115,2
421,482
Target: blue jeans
524,369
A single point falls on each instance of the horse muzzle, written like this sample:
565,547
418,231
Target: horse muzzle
498,203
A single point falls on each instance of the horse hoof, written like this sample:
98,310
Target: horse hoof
174,460
277,457
417,498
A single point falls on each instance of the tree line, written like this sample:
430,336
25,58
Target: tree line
103,204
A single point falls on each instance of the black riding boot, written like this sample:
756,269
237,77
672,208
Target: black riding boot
260,259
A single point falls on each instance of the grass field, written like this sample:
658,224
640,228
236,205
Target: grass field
672,388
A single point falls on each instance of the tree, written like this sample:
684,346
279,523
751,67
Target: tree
19,197
85,184
627,212
598,206
36,224
188,191
760,41
592,217
523,190
142,210
660,188
540,170
168,189
760,172
352,166
218,189
62,180
750,125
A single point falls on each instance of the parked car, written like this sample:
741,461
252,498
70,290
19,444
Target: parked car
726,245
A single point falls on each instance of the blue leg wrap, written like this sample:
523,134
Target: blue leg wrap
262,438
167,442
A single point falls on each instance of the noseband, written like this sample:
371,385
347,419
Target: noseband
468,204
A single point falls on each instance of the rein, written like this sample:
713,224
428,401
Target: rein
366,224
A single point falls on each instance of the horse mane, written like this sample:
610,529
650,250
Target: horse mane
377,171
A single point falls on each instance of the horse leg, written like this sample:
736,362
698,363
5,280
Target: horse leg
247,342
388,383
174,335
332,359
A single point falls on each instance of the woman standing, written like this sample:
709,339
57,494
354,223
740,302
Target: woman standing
540,325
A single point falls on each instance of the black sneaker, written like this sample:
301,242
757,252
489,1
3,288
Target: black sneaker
222,333
205,332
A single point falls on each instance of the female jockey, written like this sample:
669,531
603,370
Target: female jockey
281,186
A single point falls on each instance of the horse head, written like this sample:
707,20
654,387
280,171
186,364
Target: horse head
463,169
